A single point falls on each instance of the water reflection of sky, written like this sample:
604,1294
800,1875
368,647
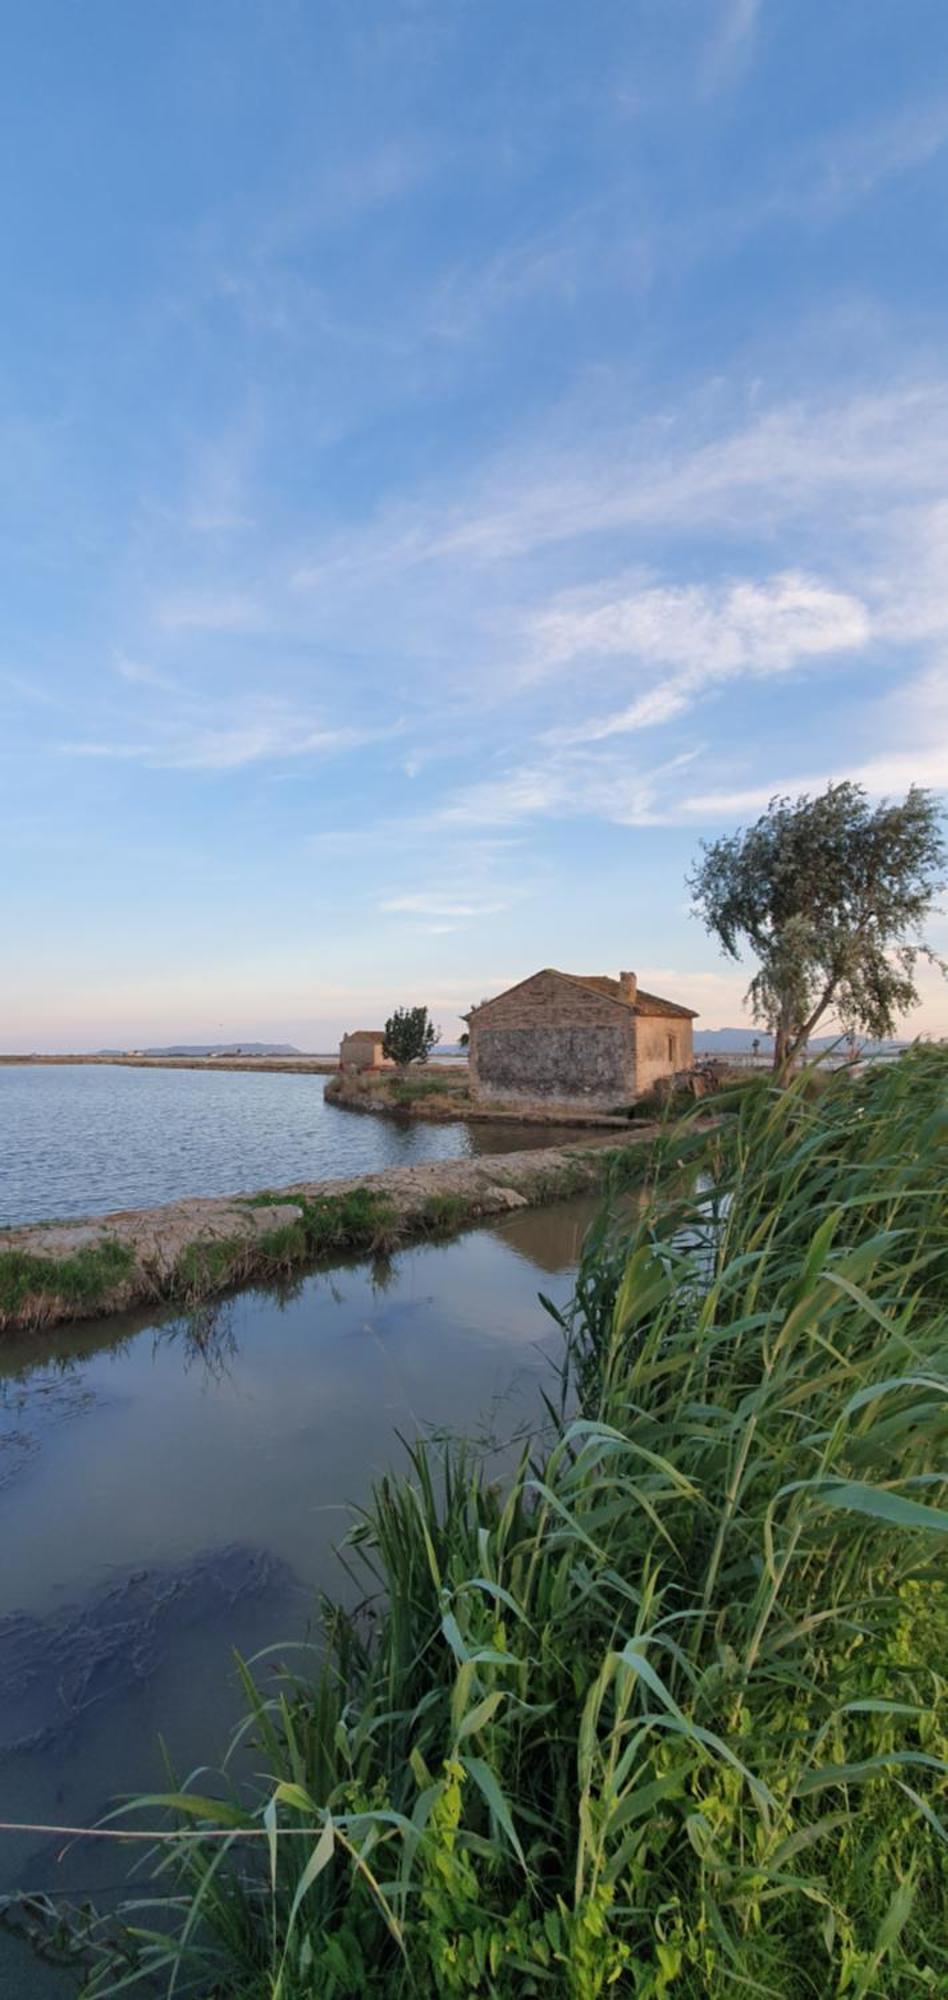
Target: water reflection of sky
127,1452
80,1140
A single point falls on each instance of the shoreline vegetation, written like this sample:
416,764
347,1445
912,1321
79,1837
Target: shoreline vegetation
663,1712
186,1252
443,1092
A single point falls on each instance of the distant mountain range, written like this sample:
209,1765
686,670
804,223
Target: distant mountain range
734,1041
211,1049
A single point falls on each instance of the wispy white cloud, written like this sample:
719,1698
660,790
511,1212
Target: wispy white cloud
257,731
580,254
229,749
851,164
335,195
211,611
729,48
590,779
735,472
914,723
105,747
459,590
433,905
710,633
881,777
140,674
912,589
715,630
817,183
27,690
566,785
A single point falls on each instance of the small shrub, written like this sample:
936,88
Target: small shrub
209,1266
414,1089
83,1280
444,1213
360,1219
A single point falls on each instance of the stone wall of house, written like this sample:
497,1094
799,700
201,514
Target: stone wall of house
361,1052
552,1041
664,1044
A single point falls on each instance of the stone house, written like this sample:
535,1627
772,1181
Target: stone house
583,1042
364,1049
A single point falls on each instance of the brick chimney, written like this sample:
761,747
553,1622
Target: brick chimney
629,985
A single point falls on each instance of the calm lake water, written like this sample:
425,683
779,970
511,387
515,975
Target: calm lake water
80,1140
163,1502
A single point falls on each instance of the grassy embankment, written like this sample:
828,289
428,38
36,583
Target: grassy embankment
358,1220
666,1715
435,1093
122,1270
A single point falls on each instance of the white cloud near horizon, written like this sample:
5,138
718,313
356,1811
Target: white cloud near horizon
915,723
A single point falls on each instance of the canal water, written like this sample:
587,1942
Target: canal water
81,1139
172,1490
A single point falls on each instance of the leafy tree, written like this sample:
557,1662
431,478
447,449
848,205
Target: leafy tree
830,895
410,1036
464,1041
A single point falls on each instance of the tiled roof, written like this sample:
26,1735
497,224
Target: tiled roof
644,1003
652,1003
599,983
610,989
365,1035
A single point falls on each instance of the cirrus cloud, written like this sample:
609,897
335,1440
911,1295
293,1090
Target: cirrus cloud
710,634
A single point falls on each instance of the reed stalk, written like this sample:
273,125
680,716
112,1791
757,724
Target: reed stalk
665,1713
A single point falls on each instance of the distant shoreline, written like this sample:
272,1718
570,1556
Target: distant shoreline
301,1065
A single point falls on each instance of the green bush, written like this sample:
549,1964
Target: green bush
83,1279
361,1219
665,1714
443,1213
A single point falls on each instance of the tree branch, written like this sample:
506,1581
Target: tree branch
803,1034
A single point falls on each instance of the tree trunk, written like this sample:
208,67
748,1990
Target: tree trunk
788,1041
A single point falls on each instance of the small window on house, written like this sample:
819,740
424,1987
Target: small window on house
671,1048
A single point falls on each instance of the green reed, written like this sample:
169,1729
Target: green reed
664,1712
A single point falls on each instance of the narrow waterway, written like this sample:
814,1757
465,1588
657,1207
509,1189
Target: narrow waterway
170,1492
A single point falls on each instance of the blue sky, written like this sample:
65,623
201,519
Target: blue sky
457,456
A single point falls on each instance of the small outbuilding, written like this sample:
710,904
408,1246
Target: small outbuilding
364,1048
576,1040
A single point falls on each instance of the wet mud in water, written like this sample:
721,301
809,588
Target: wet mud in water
54,1669
173,1490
